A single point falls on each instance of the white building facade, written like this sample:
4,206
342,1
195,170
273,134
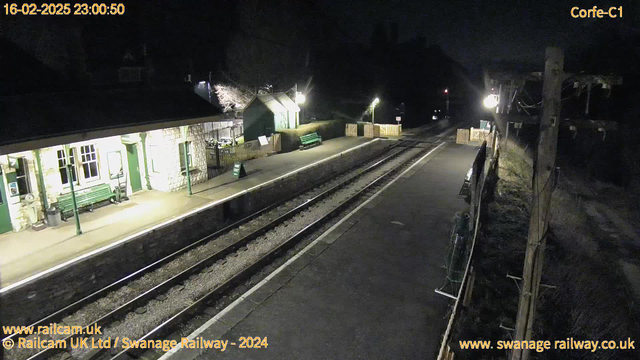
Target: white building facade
152,158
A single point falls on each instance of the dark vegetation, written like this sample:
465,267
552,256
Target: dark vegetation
592,299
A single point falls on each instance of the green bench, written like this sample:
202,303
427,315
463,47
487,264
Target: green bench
84,198
310,140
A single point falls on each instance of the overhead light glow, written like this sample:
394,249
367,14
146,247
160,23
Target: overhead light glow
491,101
300,98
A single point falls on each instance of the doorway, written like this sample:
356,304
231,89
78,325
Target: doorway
134,167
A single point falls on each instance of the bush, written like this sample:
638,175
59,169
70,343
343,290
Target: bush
327,129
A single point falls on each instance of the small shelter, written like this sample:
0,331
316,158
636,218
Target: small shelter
269,113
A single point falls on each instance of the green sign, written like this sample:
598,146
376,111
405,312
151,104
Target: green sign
238,170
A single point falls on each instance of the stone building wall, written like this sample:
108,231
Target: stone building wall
163,156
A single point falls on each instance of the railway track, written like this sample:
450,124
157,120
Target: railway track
256,225
196,308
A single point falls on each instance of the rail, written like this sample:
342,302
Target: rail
117,313
166,327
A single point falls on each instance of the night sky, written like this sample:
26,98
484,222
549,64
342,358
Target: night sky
473,32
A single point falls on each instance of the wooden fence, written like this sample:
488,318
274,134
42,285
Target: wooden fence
462,137
390,129
351,130
371,130
378,130
483,177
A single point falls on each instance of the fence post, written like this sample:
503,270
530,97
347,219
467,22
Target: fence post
466,300
217,151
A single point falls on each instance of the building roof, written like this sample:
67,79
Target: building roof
29,118
277,102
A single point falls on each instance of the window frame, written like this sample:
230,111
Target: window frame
23,163
113,176
183,167
74,163
92,157
156,168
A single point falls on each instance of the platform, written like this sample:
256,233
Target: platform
365,288
27,253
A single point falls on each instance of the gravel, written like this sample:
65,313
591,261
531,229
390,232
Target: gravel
137,323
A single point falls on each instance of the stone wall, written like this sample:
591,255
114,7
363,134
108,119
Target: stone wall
36,299
163,151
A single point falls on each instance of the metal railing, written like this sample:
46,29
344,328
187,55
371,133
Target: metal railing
484,167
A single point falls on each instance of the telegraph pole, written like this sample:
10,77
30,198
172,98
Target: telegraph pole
543,181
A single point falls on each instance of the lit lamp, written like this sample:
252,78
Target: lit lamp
490,101
373,109
300,99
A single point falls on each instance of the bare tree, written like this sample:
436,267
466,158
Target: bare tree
232,98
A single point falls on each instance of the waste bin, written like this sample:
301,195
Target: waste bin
53,216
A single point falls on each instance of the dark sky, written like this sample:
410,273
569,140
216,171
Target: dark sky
478,30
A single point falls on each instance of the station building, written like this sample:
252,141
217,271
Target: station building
269,113
126,138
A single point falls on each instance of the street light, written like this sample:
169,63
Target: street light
490,101
446,92
373,109
300,98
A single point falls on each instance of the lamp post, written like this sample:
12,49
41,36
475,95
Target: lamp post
73,193
300,99
446,92
373,110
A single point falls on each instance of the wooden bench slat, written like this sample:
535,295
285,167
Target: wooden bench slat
310,139
87,197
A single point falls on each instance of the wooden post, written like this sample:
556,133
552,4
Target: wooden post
466,300
506,137
542,188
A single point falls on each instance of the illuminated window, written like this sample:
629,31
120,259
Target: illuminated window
181,152
89,162
62,166
22,176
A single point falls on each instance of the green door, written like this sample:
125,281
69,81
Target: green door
134,167
5,218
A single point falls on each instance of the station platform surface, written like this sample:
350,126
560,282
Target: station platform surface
365,288
27,253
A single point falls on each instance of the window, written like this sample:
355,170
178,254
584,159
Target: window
62,166
181,152
114,159
22,176
89,161
154,152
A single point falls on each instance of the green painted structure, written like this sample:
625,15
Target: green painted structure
269,113
134,167
5,218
